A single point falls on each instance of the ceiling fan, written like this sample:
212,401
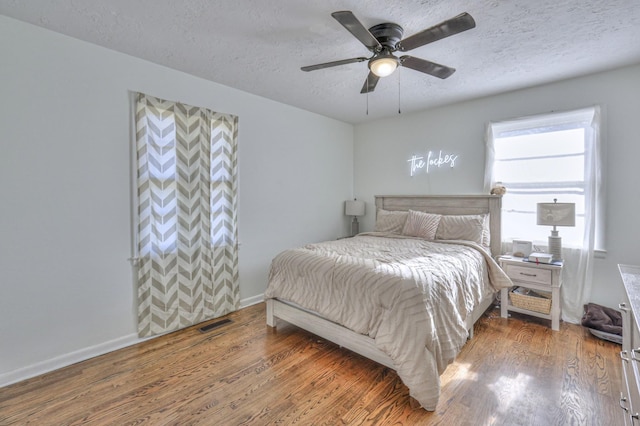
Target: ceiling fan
386,38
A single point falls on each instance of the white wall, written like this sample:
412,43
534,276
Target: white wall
383,148
66,290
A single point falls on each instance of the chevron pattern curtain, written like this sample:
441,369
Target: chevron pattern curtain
187,197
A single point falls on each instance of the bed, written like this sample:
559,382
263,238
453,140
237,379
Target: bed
407,300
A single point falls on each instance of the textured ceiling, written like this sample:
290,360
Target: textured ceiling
259,46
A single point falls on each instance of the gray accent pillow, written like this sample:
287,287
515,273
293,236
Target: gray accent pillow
420,224
465,227
390,221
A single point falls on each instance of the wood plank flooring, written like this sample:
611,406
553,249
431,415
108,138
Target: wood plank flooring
513,372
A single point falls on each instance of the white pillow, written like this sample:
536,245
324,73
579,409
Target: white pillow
465,227
420,224
390,221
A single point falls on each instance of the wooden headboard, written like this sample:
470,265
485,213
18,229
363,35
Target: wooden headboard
451,204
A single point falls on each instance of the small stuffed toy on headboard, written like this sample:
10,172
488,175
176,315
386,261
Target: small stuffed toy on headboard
498,189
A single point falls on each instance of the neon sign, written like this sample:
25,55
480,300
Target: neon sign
433,160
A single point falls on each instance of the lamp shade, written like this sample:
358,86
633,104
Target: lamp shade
557,214
354,208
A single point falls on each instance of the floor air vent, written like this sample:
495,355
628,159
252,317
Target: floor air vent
214,325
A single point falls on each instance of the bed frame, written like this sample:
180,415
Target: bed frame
365,345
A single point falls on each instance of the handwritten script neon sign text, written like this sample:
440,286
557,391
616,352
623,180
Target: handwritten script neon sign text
418,163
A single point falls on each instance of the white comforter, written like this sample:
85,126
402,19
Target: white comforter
412,296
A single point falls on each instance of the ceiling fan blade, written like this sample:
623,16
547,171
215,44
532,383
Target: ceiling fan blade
370,83
332,64
348,20
426,67
452,26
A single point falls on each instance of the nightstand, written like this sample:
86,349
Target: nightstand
534,276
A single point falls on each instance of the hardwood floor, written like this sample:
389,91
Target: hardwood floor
513,372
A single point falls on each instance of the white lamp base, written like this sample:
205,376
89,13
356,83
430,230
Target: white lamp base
555,246
355,226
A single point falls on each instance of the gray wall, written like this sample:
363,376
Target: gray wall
66,290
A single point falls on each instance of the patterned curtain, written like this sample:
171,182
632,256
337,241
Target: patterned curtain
187,197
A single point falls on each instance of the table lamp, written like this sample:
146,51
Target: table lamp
556,214
354,208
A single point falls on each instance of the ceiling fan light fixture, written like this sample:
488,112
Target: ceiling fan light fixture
383,66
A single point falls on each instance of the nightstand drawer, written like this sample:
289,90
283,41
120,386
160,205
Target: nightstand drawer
532,275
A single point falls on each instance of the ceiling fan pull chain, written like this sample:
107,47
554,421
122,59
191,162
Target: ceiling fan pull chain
399,112
367,94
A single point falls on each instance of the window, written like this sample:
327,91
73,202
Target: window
542,158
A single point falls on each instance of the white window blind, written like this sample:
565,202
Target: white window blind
539,159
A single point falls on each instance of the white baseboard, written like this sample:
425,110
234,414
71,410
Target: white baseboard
86,353
68,359
251,301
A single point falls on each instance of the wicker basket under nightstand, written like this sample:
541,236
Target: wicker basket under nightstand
524,298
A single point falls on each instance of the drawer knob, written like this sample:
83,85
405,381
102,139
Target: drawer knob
528,275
